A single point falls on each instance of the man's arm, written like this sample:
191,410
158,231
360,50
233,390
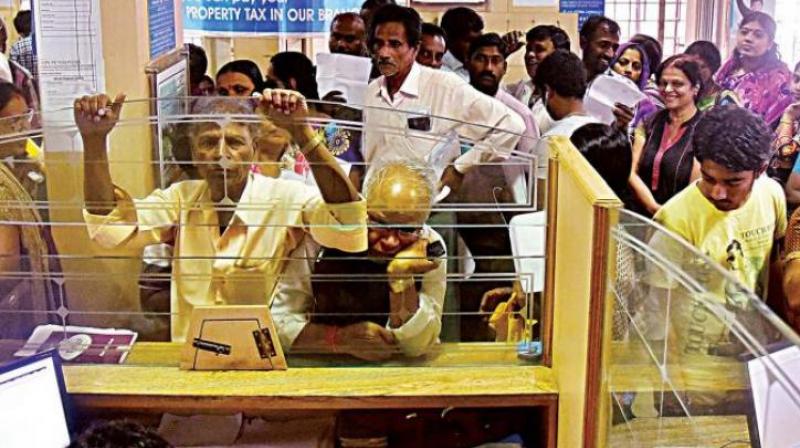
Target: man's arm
289,110
292,305
96,116
497,134
415,316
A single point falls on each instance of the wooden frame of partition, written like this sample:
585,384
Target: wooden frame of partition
576,306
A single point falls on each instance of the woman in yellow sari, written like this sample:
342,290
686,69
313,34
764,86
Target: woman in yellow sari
29,273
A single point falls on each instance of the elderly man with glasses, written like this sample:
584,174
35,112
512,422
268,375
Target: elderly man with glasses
385,300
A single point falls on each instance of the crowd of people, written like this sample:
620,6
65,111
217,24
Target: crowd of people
710,152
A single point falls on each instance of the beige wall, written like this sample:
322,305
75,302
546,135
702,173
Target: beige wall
502,17
499,16
95,284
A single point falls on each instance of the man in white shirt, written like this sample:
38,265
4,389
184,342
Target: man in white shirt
384,310
562,80
410,106
461,26
541,42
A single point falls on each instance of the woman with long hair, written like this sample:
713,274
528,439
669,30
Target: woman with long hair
755,72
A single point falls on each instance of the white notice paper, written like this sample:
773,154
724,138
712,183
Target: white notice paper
605,91
777,402
70,60
345,73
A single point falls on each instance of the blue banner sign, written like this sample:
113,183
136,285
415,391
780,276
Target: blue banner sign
263,17
161,20
584,8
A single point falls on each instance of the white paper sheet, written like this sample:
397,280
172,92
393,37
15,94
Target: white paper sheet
442,155
777,406
345,73
70,60
605,91
527,233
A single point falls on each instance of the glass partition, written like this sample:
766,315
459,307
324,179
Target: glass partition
695,359
107,250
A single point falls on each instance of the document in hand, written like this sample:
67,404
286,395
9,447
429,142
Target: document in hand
607,90
345,73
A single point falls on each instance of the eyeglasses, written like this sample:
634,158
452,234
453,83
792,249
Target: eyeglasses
19,123
399,228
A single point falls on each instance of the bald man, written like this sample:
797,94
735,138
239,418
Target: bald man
394,305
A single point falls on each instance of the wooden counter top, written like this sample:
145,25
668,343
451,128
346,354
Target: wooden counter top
709,432
466,375
633,370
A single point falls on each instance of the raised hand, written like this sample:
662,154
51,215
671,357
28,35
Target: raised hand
96,115
514,41
285,108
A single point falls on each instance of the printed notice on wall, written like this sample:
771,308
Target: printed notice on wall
161,24
70,51
584,8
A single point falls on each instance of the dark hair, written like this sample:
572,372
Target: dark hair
7,92
346,15
687,66
22,22
208,79
487,40
117,434
706,51
198,63
410,19
432,29
375,4
768,23
733,137
653,49
593,23
459,22
645,75
608,150
247,68
288,65
558,36
564,73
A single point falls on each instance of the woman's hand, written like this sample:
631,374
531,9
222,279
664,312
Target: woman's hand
792,113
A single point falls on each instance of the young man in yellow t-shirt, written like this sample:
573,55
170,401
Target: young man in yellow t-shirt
734,214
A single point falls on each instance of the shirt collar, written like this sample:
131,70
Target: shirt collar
410,86
250,208
451,62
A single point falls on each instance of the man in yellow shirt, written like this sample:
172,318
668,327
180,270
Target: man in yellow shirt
233,228
734,215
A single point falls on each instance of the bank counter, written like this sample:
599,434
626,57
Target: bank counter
552,316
